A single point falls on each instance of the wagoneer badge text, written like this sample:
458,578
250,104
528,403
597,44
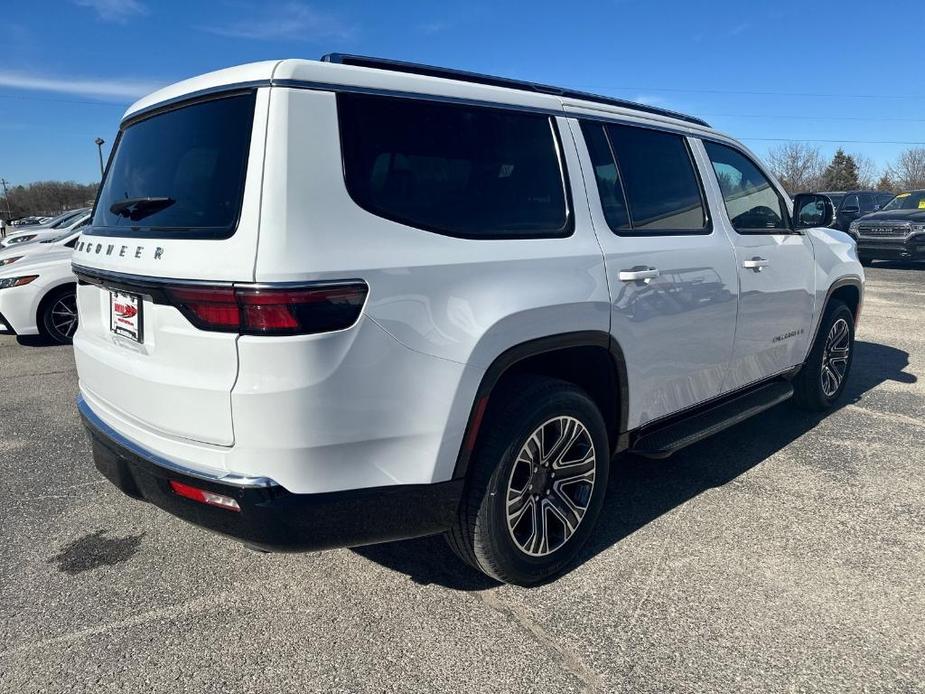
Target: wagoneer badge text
120,250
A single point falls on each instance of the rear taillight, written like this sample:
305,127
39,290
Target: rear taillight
271,311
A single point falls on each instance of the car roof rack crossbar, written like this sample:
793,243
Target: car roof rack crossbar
465,76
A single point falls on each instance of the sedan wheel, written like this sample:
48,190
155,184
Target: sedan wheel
60,317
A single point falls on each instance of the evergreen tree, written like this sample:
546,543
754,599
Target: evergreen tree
841,173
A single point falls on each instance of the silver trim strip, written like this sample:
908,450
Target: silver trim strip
229,478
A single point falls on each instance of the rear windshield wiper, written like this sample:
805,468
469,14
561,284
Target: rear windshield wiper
139,208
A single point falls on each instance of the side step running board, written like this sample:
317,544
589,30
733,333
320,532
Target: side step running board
663,440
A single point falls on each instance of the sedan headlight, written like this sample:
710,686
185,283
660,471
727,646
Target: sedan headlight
22,239
7,282
7,261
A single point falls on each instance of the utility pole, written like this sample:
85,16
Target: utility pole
6,197
99,145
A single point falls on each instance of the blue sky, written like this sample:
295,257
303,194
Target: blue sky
760,71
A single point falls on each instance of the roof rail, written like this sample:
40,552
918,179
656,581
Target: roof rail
465,76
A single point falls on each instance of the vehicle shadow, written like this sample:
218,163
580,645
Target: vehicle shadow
35,341
641,490
897,265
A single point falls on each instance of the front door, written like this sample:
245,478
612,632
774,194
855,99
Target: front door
775,266
672,274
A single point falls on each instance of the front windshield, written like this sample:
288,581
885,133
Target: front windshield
907,201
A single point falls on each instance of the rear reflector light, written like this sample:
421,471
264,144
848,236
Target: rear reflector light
271,311
203,496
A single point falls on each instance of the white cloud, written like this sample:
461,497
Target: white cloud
110,90
739,28
431,28
292,21
114,10
649,100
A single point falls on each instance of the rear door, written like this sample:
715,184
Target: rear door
672,274
775,267
179,204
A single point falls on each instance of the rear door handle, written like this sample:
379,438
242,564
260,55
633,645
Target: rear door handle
757,264
639,274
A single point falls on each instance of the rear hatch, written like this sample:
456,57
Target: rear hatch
178,209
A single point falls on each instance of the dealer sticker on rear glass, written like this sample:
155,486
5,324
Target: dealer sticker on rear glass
125,315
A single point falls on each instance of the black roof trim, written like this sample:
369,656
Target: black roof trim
465,76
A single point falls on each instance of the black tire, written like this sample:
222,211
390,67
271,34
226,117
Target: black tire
53,320
814,391
482,536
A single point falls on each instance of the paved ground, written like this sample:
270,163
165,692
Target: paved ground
787,554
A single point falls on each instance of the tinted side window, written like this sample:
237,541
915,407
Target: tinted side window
605,173
850,201
458,170
751,201
662,189
867,202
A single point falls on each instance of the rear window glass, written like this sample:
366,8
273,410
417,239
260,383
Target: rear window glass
179,173
464,171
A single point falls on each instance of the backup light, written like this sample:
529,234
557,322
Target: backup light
204,497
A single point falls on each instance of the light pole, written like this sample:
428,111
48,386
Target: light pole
99,144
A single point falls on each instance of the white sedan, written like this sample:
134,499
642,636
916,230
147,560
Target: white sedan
37,289
43,234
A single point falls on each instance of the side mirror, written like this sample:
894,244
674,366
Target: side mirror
811,210
851,209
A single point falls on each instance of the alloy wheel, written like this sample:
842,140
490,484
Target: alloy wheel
550,486
64,315
835,357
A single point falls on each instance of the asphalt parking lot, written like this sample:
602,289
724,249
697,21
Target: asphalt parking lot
786,554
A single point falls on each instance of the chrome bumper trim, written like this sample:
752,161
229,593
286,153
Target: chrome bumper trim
230,478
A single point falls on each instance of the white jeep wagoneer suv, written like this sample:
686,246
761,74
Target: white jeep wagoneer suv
342,302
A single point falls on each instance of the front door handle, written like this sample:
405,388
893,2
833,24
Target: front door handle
639,274
757,264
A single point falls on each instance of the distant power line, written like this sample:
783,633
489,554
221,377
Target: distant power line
835,142
793,117
706,115
812,95
30,97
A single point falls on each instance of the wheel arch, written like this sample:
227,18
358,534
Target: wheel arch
575,357
848,289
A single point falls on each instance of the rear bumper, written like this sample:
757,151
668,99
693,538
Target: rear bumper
271,517
912,248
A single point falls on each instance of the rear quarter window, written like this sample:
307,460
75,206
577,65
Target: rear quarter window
179,173
465,171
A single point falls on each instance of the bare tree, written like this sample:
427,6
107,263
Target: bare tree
908,172
797,165
49,197
867,171
885,184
